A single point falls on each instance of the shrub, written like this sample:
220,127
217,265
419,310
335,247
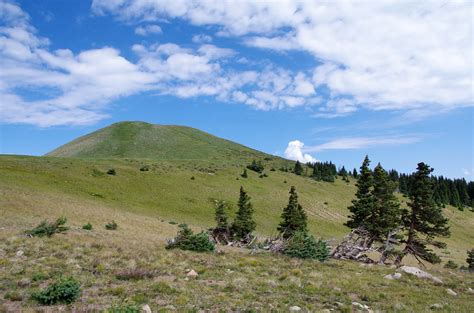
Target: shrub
256,166
144,168
111,171
244,174
304,246
187,240
48,229
13,296
451,265
111,226
63,290
87,226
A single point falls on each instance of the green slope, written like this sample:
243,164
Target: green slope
32,188
159,142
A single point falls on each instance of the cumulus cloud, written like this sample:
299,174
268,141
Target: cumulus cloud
294,151
148,30
201,38
381,55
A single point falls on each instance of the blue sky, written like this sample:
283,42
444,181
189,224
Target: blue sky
305,80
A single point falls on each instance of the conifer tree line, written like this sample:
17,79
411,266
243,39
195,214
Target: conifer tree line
377,211
456,192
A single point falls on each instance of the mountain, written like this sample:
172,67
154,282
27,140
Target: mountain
141,140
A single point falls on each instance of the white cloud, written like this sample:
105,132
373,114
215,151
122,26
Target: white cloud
201,38
294,151
380,55
352,143
148,30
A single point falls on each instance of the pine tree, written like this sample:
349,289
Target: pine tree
354,173
244,174
221,215
298,170
385,216
244,224
424,220
294,218
470,260
362,206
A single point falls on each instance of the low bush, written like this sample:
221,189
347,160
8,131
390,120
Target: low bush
63,290
187,240
111,226
48,229
451,265
144,168
304,246
112,171
87,226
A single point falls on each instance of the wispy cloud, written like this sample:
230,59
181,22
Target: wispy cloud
354,143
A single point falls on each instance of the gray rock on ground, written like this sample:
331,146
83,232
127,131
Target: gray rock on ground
393,276
419,273
295,308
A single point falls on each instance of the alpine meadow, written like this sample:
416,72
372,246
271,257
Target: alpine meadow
148,160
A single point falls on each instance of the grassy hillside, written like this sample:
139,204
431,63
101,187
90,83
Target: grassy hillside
188,170
158,142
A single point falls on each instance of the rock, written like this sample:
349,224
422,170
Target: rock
192,273
451,292
393,276
170,307
146,309
419,273
20,253
295,308
436,306
24,282
360,306
470,290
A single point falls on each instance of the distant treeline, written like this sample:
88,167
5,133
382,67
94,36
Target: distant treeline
455,192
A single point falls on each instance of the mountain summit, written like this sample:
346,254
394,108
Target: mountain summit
148,141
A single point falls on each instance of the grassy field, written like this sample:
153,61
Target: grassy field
148,205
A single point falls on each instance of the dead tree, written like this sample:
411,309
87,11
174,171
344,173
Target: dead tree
387,249
355,246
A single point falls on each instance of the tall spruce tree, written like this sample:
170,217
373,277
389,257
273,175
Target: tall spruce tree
363,204
470,260
244,224
424,220
298,170
294,218
385,217
221,215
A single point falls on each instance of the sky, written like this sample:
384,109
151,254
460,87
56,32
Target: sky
305,80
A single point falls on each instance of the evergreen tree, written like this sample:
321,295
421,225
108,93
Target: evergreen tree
294,218
354,173
244,174
470,260
363,204
244,224
221,215
298,170
385,216
424,220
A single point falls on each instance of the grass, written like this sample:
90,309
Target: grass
131,263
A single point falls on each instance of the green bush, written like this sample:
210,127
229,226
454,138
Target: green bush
63,290
144,168
304,246
111,226
87,226
48,229
187,240
111,171
451,265
256,166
